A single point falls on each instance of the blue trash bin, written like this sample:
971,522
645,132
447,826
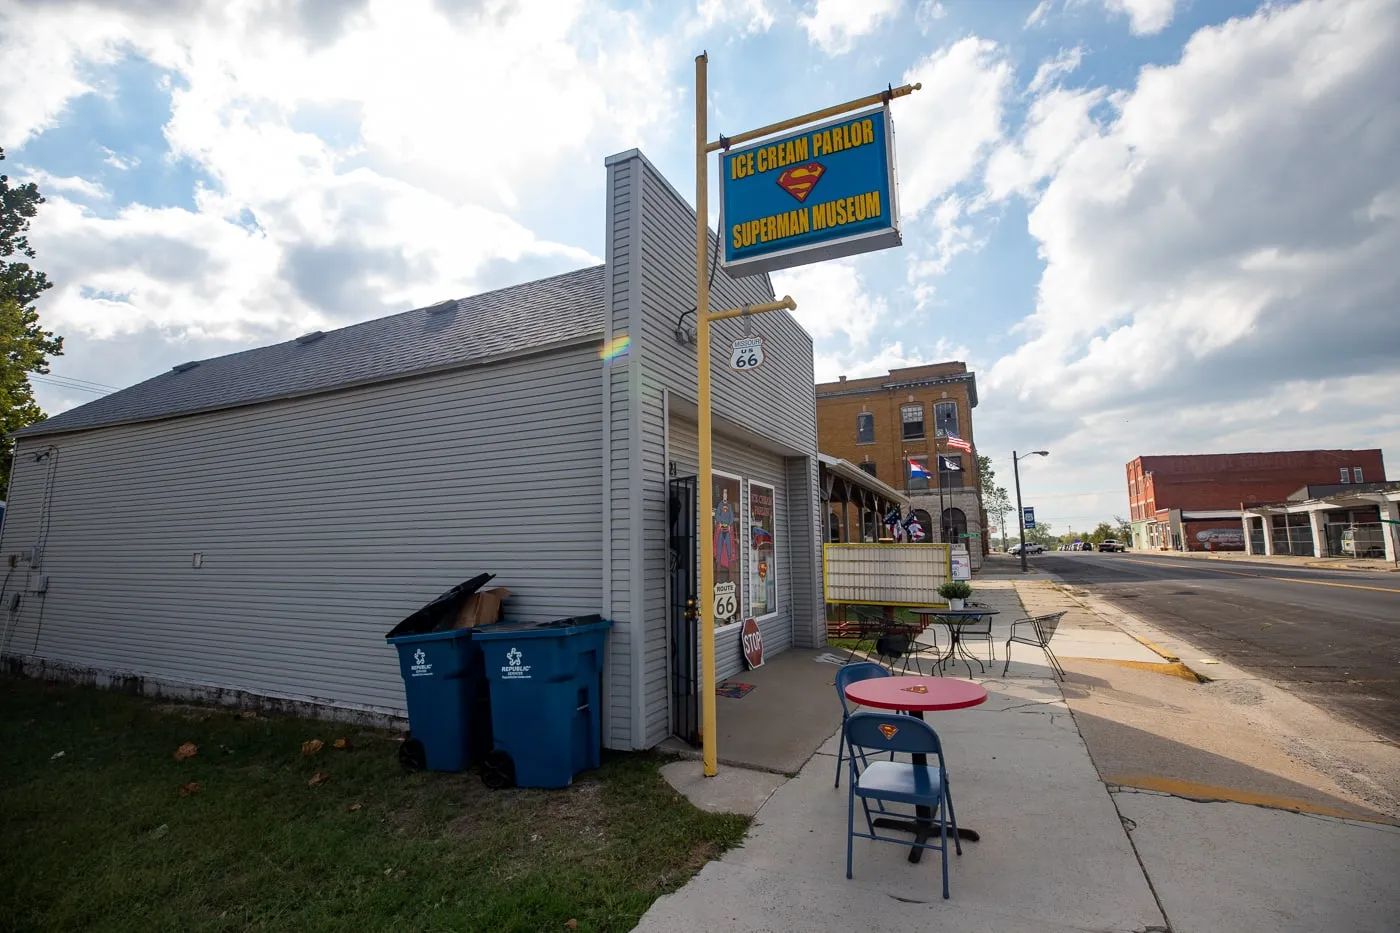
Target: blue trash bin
544,681
449,718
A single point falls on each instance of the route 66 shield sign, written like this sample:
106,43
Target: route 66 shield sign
746,354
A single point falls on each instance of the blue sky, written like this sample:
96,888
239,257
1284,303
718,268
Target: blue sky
1151,226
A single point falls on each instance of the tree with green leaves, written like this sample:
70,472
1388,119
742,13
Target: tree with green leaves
995,499
25,347
1103,532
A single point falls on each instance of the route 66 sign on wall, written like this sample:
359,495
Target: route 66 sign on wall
746,354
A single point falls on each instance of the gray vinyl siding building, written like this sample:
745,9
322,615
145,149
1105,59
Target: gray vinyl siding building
332,485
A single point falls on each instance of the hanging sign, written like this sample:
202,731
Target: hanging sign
1028,518
746,354
751,639
822,193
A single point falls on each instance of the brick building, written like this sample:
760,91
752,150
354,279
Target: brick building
882,423
1192,502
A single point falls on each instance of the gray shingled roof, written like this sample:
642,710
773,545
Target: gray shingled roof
549,311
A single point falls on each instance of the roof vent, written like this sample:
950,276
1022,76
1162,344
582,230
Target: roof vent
443,306
184,367
312,337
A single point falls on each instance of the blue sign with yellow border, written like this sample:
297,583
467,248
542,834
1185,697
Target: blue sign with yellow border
826,192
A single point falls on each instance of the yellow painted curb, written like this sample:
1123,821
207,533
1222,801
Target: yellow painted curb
1170,668
1194,791
1153,647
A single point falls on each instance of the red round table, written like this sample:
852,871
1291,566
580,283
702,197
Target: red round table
918,695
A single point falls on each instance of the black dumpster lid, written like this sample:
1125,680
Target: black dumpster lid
549,629
441,610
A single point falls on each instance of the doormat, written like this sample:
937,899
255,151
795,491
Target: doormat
733,689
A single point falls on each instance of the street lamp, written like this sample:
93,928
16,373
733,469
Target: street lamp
1020,512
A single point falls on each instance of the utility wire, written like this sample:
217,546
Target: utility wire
63,384
67,378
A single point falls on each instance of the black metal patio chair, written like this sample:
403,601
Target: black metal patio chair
870,625
1036,631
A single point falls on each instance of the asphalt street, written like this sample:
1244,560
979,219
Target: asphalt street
1332,637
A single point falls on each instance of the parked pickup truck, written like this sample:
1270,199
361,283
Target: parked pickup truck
1111,546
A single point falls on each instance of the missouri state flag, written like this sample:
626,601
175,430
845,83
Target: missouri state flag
917,471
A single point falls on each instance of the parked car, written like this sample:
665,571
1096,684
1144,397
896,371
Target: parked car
1030,549
1110,546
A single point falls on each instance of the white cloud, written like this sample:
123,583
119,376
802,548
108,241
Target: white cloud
927,14
1145,17
1055,126
1052,69
832,366
834,25
752,17
120,161
832,300
946,129
70,184
407,206
1038,14
1211,267
930,257
50,43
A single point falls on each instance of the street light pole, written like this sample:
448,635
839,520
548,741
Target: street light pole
1021,512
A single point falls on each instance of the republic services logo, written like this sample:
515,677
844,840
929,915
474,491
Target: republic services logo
799,180
513,657
419,657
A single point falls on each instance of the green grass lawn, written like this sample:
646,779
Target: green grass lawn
101,837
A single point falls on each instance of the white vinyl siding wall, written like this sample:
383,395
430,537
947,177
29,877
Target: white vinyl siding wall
322,522
659,243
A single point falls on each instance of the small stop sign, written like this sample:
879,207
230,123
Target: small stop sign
752,640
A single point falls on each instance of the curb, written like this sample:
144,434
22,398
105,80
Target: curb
1174,666
1170,668
1210,793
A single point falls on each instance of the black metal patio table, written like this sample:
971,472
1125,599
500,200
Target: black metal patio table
954,619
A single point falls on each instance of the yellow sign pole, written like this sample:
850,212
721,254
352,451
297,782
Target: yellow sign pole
707,492
703,319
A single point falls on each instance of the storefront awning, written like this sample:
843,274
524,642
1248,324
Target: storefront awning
855,476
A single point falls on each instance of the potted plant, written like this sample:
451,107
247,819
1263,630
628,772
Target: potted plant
955,591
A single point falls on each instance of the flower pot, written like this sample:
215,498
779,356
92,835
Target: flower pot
954,602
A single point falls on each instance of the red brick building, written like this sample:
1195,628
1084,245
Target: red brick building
1192,501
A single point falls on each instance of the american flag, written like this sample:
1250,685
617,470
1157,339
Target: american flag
957,443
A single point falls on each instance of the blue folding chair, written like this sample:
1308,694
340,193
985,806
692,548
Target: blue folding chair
845,676
917,784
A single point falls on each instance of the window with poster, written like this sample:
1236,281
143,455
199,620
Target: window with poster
763,572
726,526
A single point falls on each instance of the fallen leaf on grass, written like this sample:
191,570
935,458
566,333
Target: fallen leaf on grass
317,779
248,714
160,830
56,755
356,806
572,924
189,788
188,750
312,747
343,744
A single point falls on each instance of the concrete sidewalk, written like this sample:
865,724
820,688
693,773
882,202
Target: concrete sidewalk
1060,849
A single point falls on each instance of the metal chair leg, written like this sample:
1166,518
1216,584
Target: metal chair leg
840,749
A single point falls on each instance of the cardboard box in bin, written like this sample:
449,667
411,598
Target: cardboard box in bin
481,608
